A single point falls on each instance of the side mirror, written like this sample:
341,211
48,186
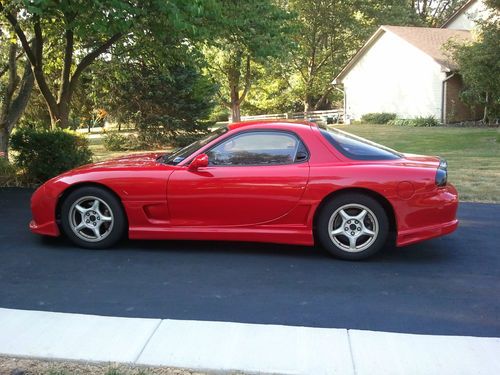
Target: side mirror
200,161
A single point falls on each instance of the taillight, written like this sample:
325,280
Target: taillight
442,173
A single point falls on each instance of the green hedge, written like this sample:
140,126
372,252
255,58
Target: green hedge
378,117
43,154
417,121
8,173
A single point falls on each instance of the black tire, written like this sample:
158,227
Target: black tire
334,245
114,210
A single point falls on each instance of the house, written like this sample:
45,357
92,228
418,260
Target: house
466,17
408,71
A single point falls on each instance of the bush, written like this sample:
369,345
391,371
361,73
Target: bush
8,173
115,142
417,122
43,154
184,139
378,117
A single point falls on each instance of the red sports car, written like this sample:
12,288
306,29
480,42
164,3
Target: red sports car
278,181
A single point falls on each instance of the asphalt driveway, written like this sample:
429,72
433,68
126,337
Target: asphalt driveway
449,285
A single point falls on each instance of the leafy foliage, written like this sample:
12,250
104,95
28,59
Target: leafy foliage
479,64
43,154
167,104
248,33
115,142
416,122
8,173
378,118
90,29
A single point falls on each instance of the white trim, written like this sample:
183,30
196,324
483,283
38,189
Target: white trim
251,348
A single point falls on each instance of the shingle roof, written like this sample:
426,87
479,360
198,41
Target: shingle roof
430,41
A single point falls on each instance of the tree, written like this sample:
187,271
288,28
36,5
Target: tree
433,13
14,91
479,64
329,33
89,29
165,100
248,33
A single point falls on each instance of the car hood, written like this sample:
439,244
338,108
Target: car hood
129,161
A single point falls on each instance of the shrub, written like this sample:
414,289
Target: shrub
8,173
184,139
43,154
115,142
417,122
378,117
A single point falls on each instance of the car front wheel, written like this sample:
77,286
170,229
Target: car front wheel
352,226
93,217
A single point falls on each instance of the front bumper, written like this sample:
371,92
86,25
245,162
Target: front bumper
47,229
43,210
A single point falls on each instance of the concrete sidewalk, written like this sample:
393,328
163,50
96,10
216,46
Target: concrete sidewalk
251,348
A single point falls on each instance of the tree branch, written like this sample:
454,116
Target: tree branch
68,61
247,81
221,98
21,101
6,67
37,66
20,33
89,58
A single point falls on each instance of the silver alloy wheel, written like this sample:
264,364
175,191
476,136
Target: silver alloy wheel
353,227
91,219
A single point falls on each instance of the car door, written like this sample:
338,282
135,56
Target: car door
253,177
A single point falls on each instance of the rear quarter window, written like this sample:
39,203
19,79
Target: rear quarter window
358,148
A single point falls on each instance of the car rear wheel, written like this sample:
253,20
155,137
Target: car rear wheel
352,226
93,217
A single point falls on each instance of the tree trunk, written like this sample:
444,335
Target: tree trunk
485,114
307,103
13,107
4,143
235,100
235,112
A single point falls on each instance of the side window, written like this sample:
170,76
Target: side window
256,148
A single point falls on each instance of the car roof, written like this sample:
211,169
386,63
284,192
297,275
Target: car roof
241,124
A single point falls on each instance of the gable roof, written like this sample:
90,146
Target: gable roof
460,10
428,40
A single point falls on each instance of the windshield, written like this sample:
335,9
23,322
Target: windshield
181,154
358,148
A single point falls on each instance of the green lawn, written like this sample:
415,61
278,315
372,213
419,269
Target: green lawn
473,154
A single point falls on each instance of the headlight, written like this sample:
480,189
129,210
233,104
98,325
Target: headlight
442,173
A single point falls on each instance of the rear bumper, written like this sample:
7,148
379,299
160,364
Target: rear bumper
433,215
420,234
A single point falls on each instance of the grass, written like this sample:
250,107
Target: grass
473,154
100,153
28,366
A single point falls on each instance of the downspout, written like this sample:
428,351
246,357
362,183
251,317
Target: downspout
444,96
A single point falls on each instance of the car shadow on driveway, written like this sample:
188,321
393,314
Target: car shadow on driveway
433,251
